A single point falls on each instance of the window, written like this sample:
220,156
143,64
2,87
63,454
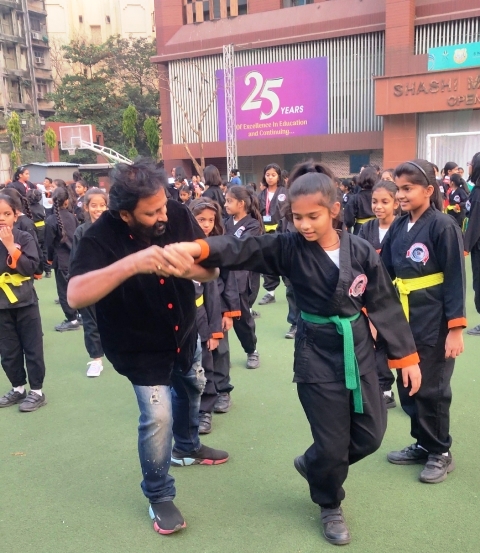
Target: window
293,3
96,34
357,161
198,11
80,18
35,24
107,19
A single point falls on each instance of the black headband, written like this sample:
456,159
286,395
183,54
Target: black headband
420,169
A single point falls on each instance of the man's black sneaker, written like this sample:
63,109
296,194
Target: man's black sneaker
437,468
290,335
475,331
390,401
411,455
12,397
32,402
167,519
256,314
253,360
204,456
335,528
68,325
300,465
267,298
204,423
223,403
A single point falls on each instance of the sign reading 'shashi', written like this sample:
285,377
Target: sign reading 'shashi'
276,100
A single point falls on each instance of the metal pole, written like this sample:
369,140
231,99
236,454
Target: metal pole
230,119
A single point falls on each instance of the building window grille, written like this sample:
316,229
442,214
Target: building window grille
198,11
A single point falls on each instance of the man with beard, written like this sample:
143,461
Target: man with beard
146,320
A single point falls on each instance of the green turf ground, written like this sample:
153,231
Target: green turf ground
69,473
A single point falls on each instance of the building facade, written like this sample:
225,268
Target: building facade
373,47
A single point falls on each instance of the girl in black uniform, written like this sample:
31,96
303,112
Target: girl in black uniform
358,209
335,276
95,203
245,220
37,210
81,188
185,195
385,206
457,199
21,337
271,200
472,234
217,303
59,231
423,252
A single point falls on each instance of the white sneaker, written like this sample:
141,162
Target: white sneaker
94,369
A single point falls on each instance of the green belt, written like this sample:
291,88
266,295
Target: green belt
352,374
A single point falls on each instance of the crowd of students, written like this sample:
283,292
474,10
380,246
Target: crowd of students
375,281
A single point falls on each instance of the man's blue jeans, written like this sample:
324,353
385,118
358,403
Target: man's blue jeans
167,412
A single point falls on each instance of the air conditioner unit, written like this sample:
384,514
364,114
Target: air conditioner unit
36,35
39,59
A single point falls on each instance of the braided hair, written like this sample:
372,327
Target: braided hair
26,207
60,198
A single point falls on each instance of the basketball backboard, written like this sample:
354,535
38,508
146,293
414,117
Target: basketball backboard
72,137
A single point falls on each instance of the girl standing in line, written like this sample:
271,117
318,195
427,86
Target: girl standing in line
37,210
59,231
244,220
423,253
457,199
95,203
217,304
185,195
385,207
81,188
334,275
358,209
21,336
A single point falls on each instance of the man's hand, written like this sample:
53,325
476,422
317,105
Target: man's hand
454,343
412,373
227,323
212,344
178,262
6,237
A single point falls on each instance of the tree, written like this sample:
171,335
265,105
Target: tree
150,126
50,138
14,131
206,92
129,129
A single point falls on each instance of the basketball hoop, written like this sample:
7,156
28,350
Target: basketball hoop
71,151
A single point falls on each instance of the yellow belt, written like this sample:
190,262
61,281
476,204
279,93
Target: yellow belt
451,208
7,280
199,301
39,224
363,221
407,285
271,228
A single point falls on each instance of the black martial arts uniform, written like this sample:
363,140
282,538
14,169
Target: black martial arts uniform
457,200
472,240
433,246
58,254
91,336
244,325
272,211
341,435
358,210
209,325
370,232
21,337
293,311
26,224
38,214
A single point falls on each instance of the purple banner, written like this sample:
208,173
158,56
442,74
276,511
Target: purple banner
278,100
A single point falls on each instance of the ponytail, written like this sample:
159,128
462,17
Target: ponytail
247,195
421,171
26,207
60,197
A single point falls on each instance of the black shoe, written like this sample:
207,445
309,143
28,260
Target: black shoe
32,402
256,314
335,528
12,398
253,360
223,403
204,423
390,401
300,465
437,468
267,298
57,301
48,275
204,456
290,335
475,331
411,455
68,325
167,519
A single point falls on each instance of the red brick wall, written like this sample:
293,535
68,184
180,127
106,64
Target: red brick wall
399,35
399,139
168,19
258,6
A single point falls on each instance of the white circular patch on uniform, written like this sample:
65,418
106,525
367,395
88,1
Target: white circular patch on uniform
358,286
418,253
239,232
281,197
456,199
